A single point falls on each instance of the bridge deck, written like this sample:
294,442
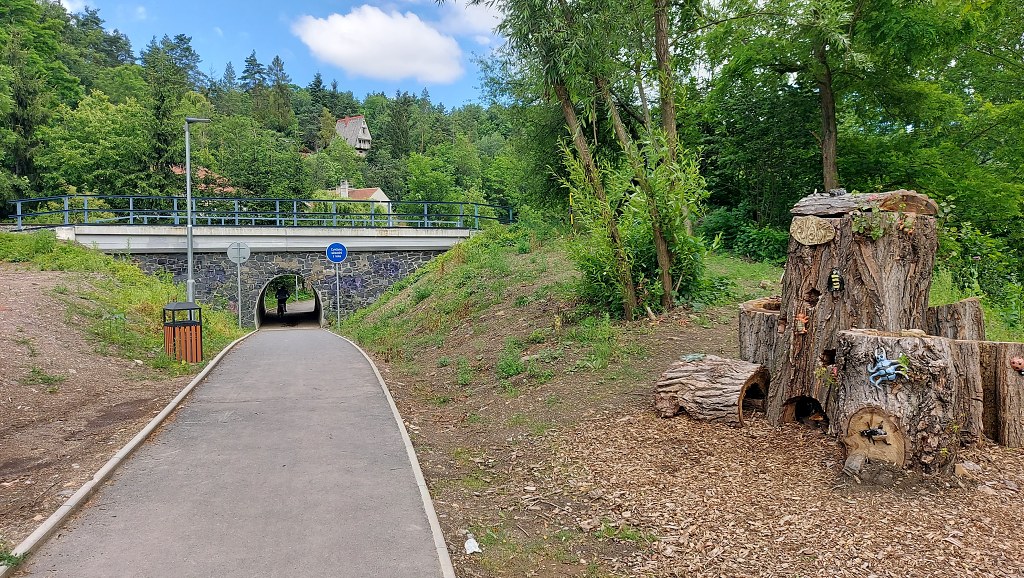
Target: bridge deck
288,461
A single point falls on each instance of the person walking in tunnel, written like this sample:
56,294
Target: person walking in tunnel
282,300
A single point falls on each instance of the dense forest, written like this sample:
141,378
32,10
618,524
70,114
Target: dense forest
658,129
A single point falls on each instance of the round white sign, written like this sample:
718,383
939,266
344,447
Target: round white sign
238,252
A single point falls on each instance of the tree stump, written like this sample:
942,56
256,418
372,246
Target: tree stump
759,330
1002,369
913,420
850,264
960,320
712,388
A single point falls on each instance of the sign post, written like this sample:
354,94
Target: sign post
336,253
238,253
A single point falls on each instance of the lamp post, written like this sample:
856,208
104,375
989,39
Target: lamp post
190,284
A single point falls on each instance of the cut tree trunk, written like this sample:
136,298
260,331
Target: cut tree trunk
711,388
1003,392
960,320
886,271
824,205
759,330
914,420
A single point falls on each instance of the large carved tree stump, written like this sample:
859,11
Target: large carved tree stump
712,388
960,320
759,330
913,420
854,261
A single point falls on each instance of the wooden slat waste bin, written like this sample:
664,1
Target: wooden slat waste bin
183,331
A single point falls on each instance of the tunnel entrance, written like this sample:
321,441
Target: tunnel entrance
301,305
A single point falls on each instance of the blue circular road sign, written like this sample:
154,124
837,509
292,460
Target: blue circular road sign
336,252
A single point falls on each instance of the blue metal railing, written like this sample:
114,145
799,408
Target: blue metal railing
253,212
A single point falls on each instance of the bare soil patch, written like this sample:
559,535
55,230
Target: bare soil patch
65,408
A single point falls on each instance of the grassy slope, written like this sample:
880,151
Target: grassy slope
122,305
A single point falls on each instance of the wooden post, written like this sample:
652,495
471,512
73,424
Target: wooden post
1003,391
854,261
759,330
960,320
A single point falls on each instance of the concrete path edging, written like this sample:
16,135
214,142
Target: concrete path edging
447,570
57,519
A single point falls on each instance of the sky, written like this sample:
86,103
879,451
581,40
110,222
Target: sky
368,46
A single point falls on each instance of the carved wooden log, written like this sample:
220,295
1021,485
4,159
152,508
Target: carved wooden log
711,388
917,419
824,205
1002,368
960,320
875,272
759,330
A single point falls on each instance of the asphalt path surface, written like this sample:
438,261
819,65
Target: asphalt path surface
286,461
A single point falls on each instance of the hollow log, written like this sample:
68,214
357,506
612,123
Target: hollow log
708,387
961,320
874,273
759,330
913,418
904,201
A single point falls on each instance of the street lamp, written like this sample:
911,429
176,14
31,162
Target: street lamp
190,285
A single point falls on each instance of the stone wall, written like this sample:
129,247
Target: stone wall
363,277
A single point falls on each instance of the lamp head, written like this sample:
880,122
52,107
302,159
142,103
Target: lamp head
192,119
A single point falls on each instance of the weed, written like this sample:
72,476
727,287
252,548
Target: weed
464,371
37,376
624,532
538,336
10,560
552,400
540,428
444,361
474,418
521,301
441,400
510,365
61,289
52,389
535,373
27,343
474,482
518,419
509,389
421,292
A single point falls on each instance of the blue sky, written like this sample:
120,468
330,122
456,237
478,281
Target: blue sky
367,46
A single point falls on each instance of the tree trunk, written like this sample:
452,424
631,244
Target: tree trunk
622,266
825,205
911,420
640,172
712,388
759,330
828,120
1003,391
960,320
884,285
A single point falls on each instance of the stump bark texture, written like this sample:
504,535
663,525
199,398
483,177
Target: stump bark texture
875,273
960,320
759,330
1004,392
917,417
710,388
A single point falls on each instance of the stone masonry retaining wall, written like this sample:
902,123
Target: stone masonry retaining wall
363,276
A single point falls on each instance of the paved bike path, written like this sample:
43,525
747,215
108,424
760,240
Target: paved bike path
287,461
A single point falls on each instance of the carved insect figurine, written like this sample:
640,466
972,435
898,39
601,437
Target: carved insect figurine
883,369
836,281
1017,364
876,433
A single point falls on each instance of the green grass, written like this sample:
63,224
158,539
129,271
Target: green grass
37,376
122,306
10,560
1003,322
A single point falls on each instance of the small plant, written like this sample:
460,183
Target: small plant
521,301
624,532
10,560
421,292
870,222
444,361
534,371
441,400
37,376
509,389
474,418
552,400
52,389
27,343
538,336
61,289
464,371
510,364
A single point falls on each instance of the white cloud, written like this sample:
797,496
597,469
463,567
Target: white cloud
218,31
469,20
388,46
73,6
140,13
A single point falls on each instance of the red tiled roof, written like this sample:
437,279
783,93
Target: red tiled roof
362,194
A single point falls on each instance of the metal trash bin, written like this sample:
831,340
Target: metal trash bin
183,331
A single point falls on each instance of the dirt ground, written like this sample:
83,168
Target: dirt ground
65,408
569,475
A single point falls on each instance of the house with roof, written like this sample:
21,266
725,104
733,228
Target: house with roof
356,132
381,200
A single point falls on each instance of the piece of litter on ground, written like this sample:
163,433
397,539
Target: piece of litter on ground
471,545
